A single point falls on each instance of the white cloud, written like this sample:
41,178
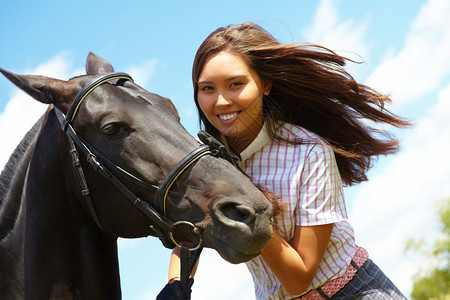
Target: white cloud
220,280
57,67
399,203
142,73
327,30
424,60
21,111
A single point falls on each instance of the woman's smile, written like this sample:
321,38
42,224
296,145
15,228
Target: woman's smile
228,117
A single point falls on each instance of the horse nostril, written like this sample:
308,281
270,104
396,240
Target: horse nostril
237,212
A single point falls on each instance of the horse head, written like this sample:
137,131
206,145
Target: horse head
139,132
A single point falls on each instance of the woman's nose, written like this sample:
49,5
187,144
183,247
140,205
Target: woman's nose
223,100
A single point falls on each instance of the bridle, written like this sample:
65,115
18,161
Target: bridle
162,227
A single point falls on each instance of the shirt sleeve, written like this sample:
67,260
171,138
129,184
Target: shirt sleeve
319,189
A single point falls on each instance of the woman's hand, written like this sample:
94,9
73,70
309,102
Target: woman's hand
174,291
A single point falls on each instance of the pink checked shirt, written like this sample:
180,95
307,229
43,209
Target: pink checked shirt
307,179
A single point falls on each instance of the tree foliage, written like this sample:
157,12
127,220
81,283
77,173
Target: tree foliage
435,284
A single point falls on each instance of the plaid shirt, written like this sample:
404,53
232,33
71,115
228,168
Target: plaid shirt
306,178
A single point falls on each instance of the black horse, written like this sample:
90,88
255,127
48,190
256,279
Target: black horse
60,218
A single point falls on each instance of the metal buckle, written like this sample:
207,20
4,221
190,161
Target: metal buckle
196,230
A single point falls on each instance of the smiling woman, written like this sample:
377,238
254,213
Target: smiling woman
292,117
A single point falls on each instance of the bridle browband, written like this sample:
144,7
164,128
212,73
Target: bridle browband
161,227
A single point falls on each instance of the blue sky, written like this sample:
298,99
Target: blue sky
405,46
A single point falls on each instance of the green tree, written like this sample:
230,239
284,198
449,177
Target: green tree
435,284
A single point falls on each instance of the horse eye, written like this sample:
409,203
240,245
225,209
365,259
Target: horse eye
112,128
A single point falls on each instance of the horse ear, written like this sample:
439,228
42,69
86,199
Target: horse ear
97,65
45,89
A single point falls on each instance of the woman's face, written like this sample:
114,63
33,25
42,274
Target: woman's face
230,95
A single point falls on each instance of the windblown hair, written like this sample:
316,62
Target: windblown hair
310,88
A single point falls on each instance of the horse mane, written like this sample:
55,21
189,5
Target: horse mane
16,157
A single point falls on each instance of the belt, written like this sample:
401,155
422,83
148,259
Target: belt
332,286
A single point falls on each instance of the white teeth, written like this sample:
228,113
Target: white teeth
228,116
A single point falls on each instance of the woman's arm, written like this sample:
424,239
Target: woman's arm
175,264
174,289
295,263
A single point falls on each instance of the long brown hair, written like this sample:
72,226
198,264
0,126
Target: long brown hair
310,88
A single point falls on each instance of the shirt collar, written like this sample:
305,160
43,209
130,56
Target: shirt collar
261,139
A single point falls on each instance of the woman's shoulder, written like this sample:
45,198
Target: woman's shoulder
304,140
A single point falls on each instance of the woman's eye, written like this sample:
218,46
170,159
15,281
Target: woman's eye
236,84
112,129
206,88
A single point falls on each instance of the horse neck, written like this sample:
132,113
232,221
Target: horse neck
12,182
58,237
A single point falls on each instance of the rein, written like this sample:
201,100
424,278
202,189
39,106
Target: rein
162,227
